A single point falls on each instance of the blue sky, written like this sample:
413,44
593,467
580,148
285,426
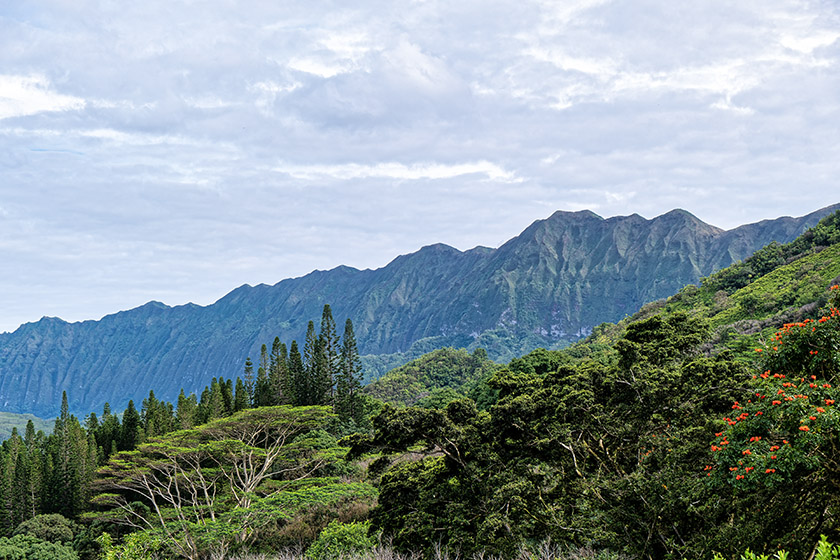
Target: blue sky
173,150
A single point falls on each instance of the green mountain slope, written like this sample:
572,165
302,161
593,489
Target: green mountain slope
747,301
547,287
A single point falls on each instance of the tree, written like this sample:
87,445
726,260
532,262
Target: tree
248,376
131,431
297,375
262,388
348,403
278,373
108,432
187,411
240,397
197,487
777,451
330,348
310,366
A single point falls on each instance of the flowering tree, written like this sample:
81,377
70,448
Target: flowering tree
779,449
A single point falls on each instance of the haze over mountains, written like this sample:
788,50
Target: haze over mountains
546,287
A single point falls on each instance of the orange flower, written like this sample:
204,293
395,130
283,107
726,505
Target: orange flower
804,428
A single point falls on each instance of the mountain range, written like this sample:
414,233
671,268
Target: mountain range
547,287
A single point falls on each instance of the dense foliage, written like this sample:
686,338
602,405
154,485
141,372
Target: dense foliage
434,379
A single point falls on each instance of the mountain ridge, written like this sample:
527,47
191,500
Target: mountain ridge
545,287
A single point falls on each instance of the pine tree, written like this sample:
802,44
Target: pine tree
316,368
11,514
320,376
202,410
187,410
150,416
278,374
348,381
108,431
216,405
62,474
330,346
248,376
297,375
240,397
35,480
67,485
262,389
131,431
227,395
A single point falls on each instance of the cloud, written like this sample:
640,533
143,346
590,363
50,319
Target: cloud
165,152
399,171
27,95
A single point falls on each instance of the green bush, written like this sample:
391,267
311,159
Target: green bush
27,547
341,539
823,551
51,527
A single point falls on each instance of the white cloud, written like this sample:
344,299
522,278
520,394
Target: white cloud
28,95
164,142
399,171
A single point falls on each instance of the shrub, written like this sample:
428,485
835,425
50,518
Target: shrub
341,539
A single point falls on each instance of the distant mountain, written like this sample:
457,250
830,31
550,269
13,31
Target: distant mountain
549,286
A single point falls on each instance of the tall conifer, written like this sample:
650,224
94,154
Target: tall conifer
330,347
262,388
297,375
349,379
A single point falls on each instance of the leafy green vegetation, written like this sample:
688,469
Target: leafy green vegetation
435,378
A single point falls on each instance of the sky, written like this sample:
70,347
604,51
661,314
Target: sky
172,150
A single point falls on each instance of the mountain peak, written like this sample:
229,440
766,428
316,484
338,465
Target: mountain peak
567,216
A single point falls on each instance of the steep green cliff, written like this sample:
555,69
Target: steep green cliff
545,288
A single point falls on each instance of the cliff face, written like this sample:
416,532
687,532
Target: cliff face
554,282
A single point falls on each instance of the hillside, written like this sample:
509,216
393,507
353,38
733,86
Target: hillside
433,379
545,288
704,424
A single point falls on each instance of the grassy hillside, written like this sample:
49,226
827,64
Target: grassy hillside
10,420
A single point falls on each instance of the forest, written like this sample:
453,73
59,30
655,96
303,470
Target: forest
703,426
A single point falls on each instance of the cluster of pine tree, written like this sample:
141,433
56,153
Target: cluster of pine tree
46,474
328,372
